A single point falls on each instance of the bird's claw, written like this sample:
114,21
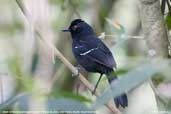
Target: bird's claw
77,71
93,92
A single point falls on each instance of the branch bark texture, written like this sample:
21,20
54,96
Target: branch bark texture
154,28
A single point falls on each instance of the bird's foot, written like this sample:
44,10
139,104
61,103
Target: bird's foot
77,89
77,71
93,92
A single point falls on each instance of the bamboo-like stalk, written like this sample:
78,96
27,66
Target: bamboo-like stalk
57,53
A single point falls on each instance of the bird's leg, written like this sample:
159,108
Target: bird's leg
77,87
97,84
76,72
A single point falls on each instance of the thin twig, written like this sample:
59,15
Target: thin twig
135,37
74,8
156,93
20,4
57,74
66,62
103,35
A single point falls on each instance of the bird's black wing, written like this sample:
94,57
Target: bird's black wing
103,55
97,51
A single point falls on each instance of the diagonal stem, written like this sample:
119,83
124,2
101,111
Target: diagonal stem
57,53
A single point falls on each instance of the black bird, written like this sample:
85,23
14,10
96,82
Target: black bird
93,55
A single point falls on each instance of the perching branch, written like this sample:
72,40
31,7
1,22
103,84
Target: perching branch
65,61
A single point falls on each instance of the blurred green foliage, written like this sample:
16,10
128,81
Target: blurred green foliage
168,21
131,80
129,71
24,82
65,94
11,29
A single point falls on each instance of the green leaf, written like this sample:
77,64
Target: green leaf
65,94
168,21
131,80
20,98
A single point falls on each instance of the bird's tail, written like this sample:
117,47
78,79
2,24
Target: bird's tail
121,100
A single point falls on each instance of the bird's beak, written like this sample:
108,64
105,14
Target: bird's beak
66,30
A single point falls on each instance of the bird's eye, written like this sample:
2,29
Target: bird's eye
75,27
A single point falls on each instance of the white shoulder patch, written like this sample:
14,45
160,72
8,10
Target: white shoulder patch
85,53
78,47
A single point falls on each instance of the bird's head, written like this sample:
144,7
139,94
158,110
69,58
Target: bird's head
78,28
